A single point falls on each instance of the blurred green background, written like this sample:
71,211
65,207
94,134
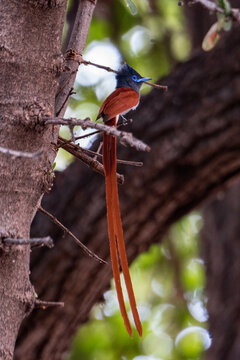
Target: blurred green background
169,279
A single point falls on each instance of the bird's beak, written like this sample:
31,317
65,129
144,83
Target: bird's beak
144,79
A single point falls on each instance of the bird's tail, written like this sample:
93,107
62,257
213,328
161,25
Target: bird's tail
115,230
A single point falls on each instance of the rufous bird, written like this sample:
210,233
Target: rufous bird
123,99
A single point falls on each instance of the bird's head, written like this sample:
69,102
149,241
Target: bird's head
128,77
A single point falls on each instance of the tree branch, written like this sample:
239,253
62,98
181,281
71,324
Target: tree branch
124,137
45,304
124,162
211,6
77,42
79,153
34,242
78,242
73,55
17,153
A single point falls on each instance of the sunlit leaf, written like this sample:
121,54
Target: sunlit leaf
132,7
193,275
211,38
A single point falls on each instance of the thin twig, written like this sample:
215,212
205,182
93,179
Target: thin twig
73,55
235,13
131,163
71,92
17,153
82,246
45,304
75,150
125,162
71,128
98,151
157,86
44,241
87,135
125,138
85,62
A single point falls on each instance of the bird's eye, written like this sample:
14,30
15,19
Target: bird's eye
134,78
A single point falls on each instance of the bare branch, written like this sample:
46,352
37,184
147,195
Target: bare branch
73,55
120,123
71,92
235,13
82,246
124,162
45,304
78,152
17,153
44,241
77,41
98,151
125,138
156,86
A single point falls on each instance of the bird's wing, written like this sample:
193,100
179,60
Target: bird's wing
121,100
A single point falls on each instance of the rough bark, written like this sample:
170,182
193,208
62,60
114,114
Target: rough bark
30,57
194,134
221,252
31,65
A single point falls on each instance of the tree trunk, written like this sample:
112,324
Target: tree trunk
194,134
31,60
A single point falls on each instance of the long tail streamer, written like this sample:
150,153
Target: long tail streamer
115,231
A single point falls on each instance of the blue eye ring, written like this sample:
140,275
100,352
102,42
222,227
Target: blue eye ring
135,78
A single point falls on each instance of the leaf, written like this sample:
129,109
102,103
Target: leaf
227,25
212,37
132,7
54,165
225,5
225,20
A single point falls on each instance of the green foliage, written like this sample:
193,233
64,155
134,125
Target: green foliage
225,5
168,281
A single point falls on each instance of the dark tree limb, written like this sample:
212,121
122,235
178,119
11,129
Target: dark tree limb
193,131
221,253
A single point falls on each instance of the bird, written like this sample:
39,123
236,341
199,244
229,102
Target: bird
124,98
